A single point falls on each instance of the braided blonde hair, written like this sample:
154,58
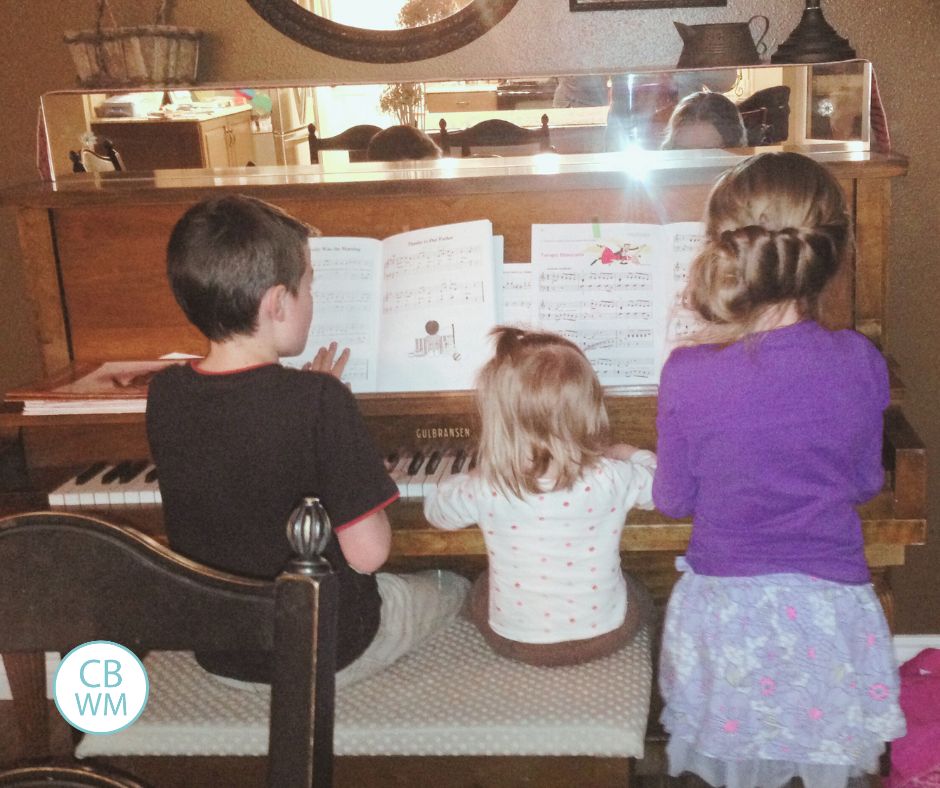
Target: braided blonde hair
776,233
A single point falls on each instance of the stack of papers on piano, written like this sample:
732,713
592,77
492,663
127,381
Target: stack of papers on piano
110,387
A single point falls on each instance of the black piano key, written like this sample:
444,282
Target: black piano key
134,469
90,472
416,463
433,461
459,460
115,473
473,462
151,475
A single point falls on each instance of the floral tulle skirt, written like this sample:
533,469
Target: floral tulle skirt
778,676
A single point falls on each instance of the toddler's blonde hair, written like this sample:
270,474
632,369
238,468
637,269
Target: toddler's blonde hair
542,412
776,232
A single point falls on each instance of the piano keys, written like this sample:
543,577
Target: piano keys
416,472
102,485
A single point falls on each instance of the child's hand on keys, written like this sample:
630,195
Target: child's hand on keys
325,361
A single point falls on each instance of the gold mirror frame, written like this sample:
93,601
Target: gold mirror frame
382,46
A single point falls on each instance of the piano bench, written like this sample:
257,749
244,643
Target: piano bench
451,697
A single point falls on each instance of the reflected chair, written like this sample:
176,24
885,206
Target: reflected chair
89,160
766,115
493,133
69,579
355,140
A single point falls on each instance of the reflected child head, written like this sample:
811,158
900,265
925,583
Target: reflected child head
542,411
225,253
705,120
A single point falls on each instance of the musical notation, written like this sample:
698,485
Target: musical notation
449,294
356,371
337,298
437,259
323,332
571,311
608,281
600,339
687,244
622,368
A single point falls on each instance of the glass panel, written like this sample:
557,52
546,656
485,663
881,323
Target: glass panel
794,107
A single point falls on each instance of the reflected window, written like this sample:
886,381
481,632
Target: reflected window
384,14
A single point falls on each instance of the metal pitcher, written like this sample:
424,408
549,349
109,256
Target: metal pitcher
721,44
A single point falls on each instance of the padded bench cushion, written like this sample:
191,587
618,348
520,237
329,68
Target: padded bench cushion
453,696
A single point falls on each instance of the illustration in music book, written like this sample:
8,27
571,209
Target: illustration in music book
414,309
615,290
87,387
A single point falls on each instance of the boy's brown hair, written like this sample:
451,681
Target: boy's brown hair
225,253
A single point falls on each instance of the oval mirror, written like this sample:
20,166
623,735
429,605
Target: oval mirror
472,20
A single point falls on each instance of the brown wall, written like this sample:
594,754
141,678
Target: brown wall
542,37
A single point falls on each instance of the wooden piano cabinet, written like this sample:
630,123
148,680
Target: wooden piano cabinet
93,247
93,255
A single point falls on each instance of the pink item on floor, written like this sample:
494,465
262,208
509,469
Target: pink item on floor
915,758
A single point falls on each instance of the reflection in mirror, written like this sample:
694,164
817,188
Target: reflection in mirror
385,14
792,106
423,28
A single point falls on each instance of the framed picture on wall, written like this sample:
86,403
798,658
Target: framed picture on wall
612,5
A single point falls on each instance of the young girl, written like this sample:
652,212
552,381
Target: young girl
776,658
551,497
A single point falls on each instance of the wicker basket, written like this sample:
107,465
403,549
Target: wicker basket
119,57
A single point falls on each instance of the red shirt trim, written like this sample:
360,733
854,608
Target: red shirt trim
194,364
371,511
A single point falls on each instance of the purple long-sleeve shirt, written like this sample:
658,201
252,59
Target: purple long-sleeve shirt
770,443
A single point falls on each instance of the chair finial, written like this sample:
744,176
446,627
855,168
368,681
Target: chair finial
309,531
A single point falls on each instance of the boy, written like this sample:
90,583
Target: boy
238,439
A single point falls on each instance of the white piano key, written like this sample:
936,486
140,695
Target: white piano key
149,487
399,473
419,476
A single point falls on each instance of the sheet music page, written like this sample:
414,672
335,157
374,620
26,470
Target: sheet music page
610,288
346,285
686,239
437,307
517,298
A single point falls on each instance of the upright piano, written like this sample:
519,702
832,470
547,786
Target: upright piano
93,249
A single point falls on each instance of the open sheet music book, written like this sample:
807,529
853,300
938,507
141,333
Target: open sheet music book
414,309
615,290
91,387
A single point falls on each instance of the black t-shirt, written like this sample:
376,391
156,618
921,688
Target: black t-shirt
236,452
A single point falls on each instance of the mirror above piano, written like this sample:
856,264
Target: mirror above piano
797,107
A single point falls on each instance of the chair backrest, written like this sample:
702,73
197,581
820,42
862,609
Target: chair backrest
493,133
354,139
70,776
766,115
90,160
69,579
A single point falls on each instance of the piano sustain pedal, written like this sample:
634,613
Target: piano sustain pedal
102,486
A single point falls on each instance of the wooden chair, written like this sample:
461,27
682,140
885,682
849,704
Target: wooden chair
494,133
70,579
355,140
66,776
